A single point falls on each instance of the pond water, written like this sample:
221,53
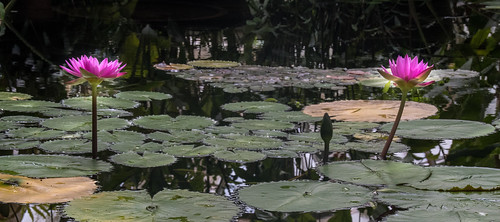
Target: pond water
292,53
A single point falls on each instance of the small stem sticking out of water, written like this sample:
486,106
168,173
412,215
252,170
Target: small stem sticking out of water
326,132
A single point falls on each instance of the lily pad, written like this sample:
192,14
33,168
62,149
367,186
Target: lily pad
142,95
9,125
148,159
315,137
370,110
255,107
439,215
290,116
85,103
269,133
165,122
113,113
496,123
234,89
73,146
456,178
280,153
179,136
117,136
166,205
22,119
239,156
27,105
35,133
56,112
237,141
14,96
16,144
373,147
432,129
350,128
40,166
304,196
20,189
190,151
301,147
375,172
84,123
256,124
172,66
212,64
138,147
219,130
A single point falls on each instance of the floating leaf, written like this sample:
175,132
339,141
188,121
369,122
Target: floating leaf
33,133
85,103
166,205
255,107
172,66
148,159
225,130
315,137
239,156
456,178
439,215
179,136
212,64
138,147
496,123
73,146
27,105
9,125
191,151
113,113
39,166
235,89
304,196
55,112
269,133
142,95
370,110
84,123
165,122
432,129
238,141
16,144
290,116
280,153
301,147
117,136
14,96
373,147
20,189
350,128
256,124
22,119
375,172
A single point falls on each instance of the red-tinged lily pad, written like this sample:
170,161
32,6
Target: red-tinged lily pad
370,110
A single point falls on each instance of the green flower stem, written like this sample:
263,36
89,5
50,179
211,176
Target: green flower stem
395,125
94,120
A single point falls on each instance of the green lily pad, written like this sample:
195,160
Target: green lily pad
218,130
375,172
148,159
269,133
14,96
304,196
245,142
255,107
496,123
301,147
9,125
16,144
166,205
260,87
34,133
113,113
138,147
456,178
190,151
234,89
27,105
39,166
142,95
212,64
73,146
179,136
22,119
85,103
432,129
117,136
165,122
239,156
482,206
290,116
84,123
315,137
56,112
280,153
255,124
350,128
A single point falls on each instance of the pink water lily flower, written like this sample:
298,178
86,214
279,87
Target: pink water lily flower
407,72
89,67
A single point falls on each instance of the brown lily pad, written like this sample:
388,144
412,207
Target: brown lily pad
20,189
370,110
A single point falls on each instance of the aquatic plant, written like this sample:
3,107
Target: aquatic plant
91,70
406,73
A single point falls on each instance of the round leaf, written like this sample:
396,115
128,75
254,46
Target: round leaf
255,107
456,178
84,123
148,159
142,95
239,156
165,122
85,103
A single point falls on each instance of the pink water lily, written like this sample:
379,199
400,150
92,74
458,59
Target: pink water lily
407,72
84,66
